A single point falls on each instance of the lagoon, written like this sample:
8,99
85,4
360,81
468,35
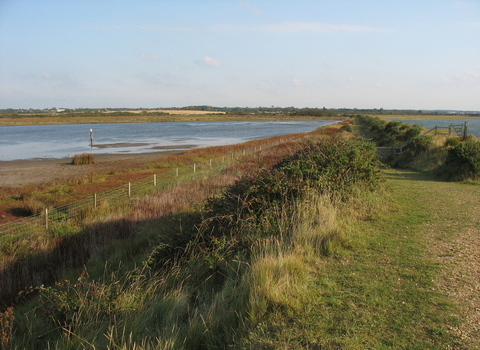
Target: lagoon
64,141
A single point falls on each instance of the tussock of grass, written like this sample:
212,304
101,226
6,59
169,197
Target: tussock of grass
84,158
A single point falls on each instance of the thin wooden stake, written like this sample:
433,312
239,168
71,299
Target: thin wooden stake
129,189
155,180
46,219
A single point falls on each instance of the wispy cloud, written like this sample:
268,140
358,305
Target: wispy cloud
461,5
467,77
150,57
59,80
252,8
211,62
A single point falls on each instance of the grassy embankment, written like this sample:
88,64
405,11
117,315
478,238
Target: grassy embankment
36,258
351,273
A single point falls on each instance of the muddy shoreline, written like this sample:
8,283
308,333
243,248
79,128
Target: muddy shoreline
14,173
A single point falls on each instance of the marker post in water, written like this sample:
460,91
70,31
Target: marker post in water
91,138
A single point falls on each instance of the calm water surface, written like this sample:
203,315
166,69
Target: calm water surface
59,141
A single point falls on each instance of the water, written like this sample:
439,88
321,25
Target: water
61,141
473,124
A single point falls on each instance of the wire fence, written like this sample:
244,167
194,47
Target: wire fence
79,210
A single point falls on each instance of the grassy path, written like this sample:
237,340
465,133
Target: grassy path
410,281
452,239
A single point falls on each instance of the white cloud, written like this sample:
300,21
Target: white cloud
211,62
150,57
297,82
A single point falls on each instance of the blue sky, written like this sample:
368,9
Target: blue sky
395,54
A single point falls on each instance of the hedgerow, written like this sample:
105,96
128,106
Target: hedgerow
463,162
394,133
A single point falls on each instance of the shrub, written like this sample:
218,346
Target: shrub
420,144
347,128
84,158
463,162
452,142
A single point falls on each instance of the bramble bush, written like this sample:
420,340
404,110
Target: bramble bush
253,205
249,209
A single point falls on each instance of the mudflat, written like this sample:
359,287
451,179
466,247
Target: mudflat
16,173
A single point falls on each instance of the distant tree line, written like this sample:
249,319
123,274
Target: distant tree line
314,112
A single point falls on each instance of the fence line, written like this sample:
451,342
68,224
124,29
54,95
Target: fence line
79,209
461,131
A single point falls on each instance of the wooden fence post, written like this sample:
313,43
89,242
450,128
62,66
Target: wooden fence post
176,171
46,219
465,130
129,189
95,200
155,180
194,167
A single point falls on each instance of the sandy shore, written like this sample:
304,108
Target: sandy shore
27,172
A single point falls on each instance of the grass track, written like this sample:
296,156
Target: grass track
394,288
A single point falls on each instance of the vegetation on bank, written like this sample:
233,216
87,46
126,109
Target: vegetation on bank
301,252
450,158
196,288
253,268
83,158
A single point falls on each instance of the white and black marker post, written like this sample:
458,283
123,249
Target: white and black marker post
91,138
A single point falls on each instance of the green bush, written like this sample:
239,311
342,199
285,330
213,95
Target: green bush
391,133
347,128
452,142
463,162
419,144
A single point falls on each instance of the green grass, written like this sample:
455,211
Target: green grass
378,293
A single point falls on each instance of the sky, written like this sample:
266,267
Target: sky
395,54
